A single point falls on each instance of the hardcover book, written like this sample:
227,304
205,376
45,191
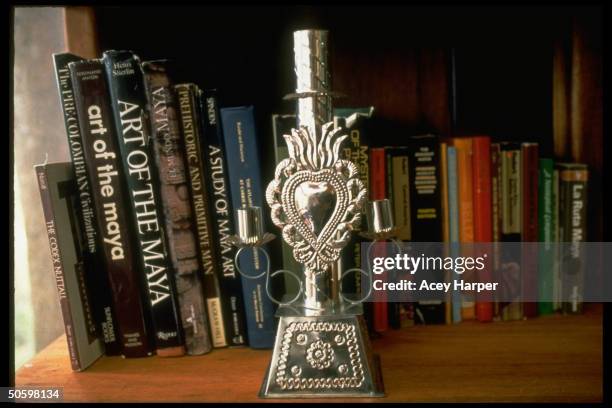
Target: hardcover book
399,193
463,149
59,195
546,235
101,154
529,227
444,214
176,202
453,224
357,125
573,179
510,266
247,189
232,303
128,102
556,264
483,230
426,209
102,298
496,212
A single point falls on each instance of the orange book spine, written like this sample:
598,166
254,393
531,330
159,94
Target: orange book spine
483,227
378,192
463,147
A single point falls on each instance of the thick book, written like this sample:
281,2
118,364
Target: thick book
573,183
232,304
179,218
546,236
398,183
356,123
510,231
378,191
496,200
529,227
556,264
102,157
59,195
101,298
463,149
453,224
128,102
247,190
426,209
483,230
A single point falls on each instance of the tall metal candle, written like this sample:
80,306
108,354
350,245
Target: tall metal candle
316,199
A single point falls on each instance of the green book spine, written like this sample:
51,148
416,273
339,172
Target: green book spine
546,236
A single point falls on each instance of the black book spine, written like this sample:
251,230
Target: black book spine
95,276
176,202
191,126
426,213
128,102
101,155
223,220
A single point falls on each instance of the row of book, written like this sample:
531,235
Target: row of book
467,190
139,222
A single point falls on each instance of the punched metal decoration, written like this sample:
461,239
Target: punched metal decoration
316,198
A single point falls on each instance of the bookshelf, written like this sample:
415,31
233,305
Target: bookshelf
549,359
424,70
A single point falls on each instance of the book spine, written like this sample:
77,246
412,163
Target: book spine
463,148
556,239
448,277
483,232
102,158
128,102
529,227
58,268
496,201
102,298
176,203
355,149
378,192
546,236
240,141
572,231
393,311
223,221
453,223
400,314
426,220
511,226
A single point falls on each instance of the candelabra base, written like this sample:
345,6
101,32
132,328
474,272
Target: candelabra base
322,356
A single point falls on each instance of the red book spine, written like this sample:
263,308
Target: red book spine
378,192
483,228
529,226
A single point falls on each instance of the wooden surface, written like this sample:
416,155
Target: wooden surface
551,358
80,31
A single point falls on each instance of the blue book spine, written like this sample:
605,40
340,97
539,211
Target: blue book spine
453,211
246,189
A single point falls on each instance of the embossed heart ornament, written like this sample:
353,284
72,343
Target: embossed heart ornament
304,208
316,198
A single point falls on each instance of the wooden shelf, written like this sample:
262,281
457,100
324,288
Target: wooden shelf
552,358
